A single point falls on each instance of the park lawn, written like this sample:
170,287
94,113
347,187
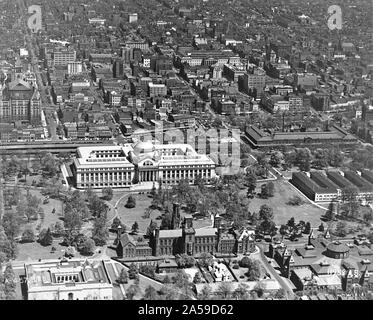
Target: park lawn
143,201
129,216
49,217
283,212
35,251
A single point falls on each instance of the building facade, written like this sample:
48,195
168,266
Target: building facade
119,167
20,101
68,280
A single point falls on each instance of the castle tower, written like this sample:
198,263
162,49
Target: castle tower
155,242
188,235
217,221
175,221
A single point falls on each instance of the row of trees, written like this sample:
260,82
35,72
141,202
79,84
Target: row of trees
46,162
8,251
303,158
79,208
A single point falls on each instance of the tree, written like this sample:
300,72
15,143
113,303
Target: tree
350,207
132,291
291,223
264,192
185,261
11,223
49,164
131,202
100,232
28,235
283,230
45,237
206,259
295,201
98,207
181,280
72,220
107,193
88,247
205,292
7,246
150,293
341,229
133,272
368,216
75,202
116,223
197,278
9,283
303,159
307,228
150,230
330,213
267,227
242,292
275,159
135,228
321,227
58,230
280,294
123,277
245,262
250,182
265,212
225,289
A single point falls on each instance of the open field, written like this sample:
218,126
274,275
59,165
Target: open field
35,251
282,211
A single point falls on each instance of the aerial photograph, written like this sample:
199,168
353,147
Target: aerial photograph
200,150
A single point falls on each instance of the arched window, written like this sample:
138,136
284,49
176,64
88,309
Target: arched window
70,296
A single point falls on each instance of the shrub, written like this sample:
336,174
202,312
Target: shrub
131,202
28,235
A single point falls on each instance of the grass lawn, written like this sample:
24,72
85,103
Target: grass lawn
49,217
282,211
35,251
143,201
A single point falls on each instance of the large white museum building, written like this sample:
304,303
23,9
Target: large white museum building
122,166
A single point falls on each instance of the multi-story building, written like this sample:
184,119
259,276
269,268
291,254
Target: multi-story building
132,18
320,187
104,166
143,45
20,101
157,89
295,103
320,101
305,80
62,57
71,279
116,167
74,68
314,187
337,136
254,83
323,265
193,241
